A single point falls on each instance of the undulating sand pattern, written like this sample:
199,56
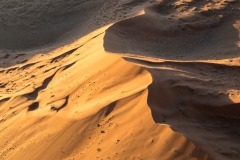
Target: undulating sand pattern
120,79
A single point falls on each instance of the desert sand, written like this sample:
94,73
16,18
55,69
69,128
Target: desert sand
120,79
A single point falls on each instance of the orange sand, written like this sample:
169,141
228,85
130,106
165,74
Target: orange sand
67,93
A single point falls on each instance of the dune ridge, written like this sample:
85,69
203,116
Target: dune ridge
77,98
75,106
198,30
191,49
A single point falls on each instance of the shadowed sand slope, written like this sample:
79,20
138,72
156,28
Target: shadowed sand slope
81,103
191,49
30,24
179,30
63,97
200,101
31,27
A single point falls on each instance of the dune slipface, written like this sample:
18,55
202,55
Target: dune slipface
191,49
67,93
81,103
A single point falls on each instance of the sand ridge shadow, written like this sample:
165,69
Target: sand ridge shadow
56,59
46,26
63,106
33,95
110,108
190,92
195,99
168,34
33,106
27,66
190,108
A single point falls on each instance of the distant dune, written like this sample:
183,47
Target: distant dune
120,79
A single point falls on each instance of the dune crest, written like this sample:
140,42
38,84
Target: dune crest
180,31
63,97
191,49
79,100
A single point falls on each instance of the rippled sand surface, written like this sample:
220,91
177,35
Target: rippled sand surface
120,79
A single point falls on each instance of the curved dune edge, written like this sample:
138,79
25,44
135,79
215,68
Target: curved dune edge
29,28
78,102
191,49
81,103
177,30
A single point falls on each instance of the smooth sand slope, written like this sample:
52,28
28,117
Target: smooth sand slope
191,49
64,97
82,103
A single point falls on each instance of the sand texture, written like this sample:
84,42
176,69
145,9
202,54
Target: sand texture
120,79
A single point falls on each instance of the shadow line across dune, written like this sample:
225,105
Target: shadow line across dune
195,87
165,32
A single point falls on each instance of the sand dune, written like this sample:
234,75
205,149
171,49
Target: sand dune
128,79
180,31
191,50
78,105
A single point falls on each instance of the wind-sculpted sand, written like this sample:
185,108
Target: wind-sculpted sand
128,79
191,49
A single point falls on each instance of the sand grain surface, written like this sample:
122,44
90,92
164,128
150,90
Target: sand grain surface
120,79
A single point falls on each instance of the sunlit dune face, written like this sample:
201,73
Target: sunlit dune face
122,80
